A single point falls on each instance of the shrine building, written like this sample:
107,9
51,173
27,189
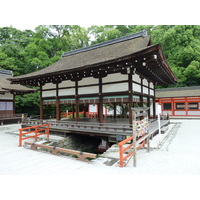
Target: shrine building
7,96
179,102
119,71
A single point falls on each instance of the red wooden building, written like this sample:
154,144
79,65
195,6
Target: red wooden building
181,101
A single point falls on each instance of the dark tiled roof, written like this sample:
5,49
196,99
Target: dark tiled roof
3,71
131,47
91,56
6,86
143,33
178,92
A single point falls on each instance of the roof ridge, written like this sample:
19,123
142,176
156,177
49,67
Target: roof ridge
179,88
143,33
3,71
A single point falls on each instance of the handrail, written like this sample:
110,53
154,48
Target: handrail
80,123
80,126
123,150
36,130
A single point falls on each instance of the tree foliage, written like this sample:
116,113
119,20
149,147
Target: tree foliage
27,51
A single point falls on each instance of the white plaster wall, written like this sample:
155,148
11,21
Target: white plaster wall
145,90
145,82
66,92
151,109
49,86
88,90
119,87
51,93
166,112
151,92
88,81
151,85
194,112
136,78
115,77
180,112
67,83
136,87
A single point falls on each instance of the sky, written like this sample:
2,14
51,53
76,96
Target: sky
32,27
21,27
23,15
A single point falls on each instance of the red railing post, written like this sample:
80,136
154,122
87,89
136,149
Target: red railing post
48,130
36,134
20,138
121,163
35,130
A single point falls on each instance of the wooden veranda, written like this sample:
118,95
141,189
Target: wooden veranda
114,130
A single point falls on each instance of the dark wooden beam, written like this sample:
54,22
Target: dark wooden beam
141,95
73,111
115,110
13,103
148,100
41,103
77,100
130,88
57,103
154,104
100,110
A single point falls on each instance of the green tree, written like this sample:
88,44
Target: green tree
192,73
28,51
181,45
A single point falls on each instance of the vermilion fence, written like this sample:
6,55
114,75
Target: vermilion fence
37,130
122,150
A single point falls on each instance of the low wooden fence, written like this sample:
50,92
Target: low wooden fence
56,150
140,130
37,130
122,150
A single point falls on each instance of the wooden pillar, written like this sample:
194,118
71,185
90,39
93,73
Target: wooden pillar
130,88
154,108
77,101
85,110
148,101
148,105
115,110
141,96
13,112
154,104
100,108
72,111
57,103
173,106
41,103
186,106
